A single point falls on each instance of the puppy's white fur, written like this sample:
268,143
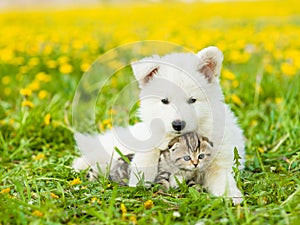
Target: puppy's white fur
177,77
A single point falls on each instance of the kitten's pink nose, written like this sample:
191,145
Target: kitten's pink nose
195,163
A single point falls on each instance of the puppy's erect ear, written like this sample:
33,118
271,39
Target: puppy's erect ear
144,71
210,62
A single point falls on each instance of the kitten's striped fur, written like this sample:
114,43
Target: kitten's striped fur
186,157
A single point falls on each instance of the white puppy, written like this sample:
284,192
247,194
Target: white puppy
180,93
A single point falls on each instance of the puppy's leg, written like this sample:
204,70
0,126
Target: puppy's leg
144,165
80,163
220,182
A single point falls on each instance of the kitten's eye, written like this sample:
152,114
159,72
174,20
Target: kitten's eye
201,156
187,158
192,100
165,101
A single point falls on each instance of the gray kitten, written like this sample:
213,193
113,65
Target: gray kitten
184,159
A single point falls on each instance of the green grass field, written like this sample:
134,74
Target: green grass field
42,58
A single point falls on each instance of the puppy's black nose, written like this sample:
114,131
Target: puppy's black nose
178,125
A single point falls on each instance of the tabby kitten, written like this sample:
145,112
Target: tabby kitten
186,157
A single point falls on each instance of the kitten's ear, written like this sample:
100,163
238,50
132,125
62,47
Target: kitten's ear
210,62
144,70
173,142
205,139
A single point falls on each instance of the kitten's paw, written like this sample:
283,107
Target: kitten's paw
164,185
92,175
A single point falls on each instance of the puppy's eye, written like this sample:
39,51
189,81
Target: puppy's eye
191,100
165,101
187,158
201,156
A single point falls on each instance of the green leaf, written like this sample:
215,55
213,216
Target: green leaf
122,155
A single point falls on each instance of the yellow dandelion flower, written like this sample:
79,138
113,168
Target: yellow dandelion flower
65,69
228,75
133,219
238,57
54,195
47,50
7,55
43,77
253,123
235,84
63,60
6,80
33,62
261,150
106,121
112,112
95,200
124,211
236,99
288,69
7,91
23,69
269,68
25,92
34,85
84,67
27,103
39,156
47,119
5,190
76,181
148,204
51,64
109,126
37,213
101,127
11,121
65,49
42,94
19,61
77,44
123,208
278,100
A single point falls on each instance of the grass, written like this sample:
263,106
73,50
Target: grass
37,184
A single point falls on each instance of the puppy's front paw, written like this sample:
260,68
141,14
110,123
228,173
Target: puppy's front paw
133,181
80,164
224,185
237,200
233,193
